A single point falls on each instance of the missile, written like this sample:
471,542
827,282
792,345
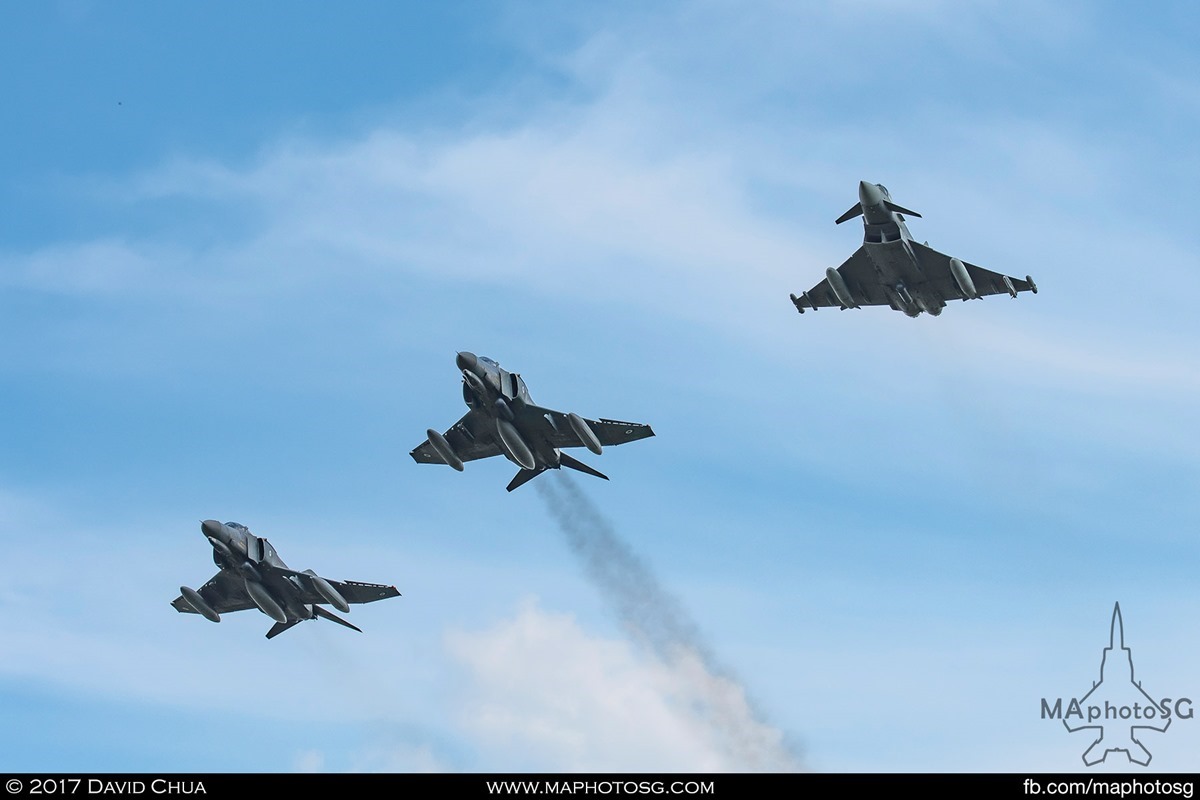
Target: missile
963,278
1008,284
840,289
514,446
475,383
221,548
193,599
330,594
443,449
262,598
585,433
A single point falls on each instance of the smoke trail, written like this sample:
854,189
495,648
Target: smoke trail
656,620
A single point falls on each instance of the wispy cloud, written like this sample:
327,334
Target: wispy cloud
655,619
546,695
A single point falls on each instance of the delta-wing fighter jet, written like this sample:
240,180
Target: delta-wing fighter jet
504,421
891,269
254,576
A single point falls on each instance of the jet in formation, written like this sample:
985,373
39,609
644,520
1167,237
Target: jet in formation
254,576
503,420
891,269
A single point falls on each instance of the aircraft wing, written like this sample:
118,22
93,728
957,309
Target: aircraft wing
937,272
465,436
351,591
609,432
359,592
224,592
858,271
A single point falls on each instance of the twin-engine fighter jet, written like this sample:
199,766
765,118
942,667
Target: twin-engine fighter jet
504,421
254,576
890,269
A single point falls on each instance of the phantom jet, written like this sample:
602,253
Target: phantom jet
504,421
890,269
254,576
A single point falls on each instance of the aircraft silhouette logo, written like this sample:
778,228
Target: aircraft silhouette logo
1117,709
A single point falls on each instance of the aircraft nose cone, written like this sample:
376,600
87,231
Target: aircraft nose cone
869,194
466,361
212,528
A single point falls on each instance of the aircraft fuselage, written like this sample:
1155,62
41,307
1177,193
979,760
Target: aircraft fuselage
499,397
239,551
891,269
887,243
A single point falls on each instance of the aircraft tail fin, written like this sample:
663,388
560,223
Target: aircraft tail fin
523,477
280,627
566,461
320,612
526,475
854,211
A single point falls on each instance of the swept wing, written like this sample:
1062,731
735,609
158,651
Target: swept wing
467,437
938,273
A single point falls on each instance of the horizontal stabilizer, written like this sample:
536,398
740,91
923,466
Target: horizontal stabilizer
280,627
851,213
320,612
523,477
899,209
566,461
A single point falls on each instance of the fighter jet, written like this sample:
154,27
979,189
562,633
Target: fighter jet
890,269
504,421
254,576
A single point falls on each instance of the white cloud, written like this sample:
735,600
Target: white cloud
547,695
677,189
310,761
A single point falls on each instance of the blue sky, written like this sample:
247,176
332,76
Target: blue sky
240,247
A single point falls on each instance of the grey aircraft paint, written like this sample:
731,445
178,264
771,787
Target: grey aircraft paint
503,420
254,576
890,269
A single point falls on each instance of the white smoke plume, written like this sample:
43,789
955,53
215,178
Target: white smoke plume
654,619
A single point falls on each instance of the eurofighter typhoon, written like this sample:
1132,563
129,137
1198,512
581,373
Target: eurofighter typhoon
254,576
503,420
890,269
